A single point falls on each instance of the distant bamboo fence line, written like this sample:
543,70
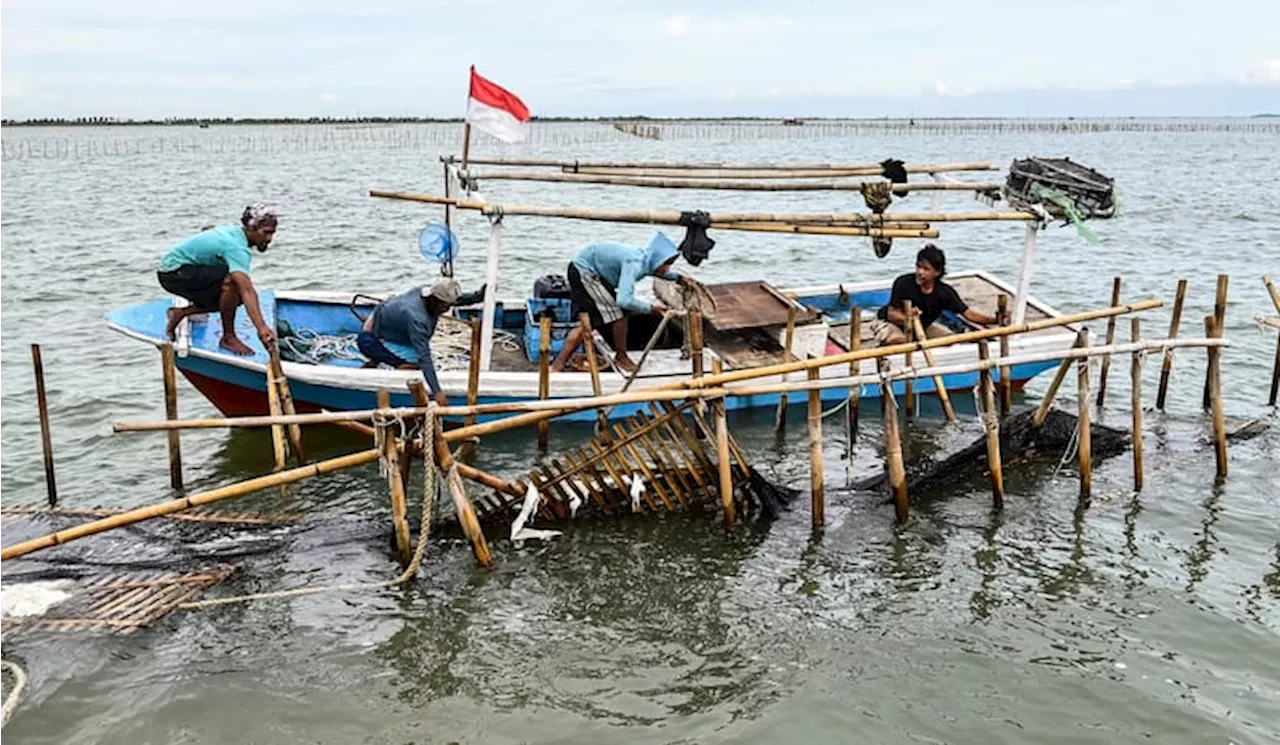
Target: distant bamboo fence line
249,139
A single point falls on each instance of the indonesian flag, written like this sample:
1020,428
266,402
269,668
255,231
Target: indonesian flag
496,110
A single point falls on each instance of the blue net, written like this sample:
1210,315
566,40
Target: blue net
437,243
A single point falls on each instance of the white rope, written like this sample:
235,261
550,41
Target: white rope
15,693
411,571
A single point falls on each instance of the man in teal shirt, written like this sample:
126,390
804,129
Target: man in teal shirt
211,269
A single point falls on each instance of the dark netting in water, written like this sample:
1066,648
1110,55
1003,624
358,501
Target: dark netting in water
963,452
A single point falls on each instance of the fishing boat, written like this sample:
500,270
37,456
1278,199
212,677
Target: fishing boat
317,338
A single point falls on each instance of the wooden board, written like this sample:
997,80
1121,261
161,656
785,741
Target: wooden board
753,304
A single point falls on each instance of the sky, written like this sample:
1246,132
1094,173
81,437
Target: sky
264,58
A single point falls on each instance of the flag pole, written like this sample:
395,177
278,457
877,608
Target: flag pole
466,130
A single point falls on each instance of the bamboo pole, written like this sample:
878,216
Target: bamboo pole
1275,373
1006,373
938,382
780,418
1167,368
991,424
544,376
1219,326
816,478
1135,382
461,504
893,449
589,343
167,362
46,438
675,391
286,403
694,322
277,430
850,231
1213,328
722,455
397,483
585,166
695,180
1049,395
473,383
1111,337
909,385
1085,428
672,217
195,500
793,172
852,402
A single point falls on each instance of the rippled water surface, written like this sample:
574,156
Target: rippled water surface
1151,617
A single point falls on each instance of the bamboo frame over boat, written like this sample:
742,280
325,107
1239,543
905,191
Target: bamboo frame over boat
672,217
577,166
696,181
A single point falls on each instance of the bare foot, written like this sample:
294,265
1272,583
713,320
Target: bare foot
171,328
624,364
407,366
235,346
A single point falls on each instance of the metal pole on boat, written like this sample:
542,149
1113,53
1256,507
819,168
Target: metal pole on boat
1024,273
46,440
491,292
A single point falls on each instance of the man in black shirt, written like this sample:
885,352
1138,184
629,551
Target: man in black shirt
929,296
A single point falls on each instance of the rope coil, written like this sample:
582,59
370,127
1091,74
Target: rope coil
15,693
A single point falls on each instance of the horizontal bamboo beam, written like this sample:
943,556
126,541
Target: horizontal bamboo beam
695,181
195,500
869,232
672,217
615,165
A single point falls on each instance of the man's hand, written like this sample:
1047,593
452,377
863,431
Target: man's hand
266,336
659,309
480,292
442,399
683,280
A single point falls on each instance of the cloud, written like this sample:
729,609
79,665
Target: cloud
1265,71
328,98
679,25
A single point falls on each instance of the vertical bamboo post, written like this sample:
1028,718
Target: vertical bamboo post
780,421
1105,370
1275,373
396,483
171,413
294,431
589,343
855,392
909,399
46,439
461,503
1213,329
473,382
1167,367
1135,379
1086,428
893,447
1006,372
816,479
990,423
1219,326
693,323
722,456
277,430
1049,395
544,376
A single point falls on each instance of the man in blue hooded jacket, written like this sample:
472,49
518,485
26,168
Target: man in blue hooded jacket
602,283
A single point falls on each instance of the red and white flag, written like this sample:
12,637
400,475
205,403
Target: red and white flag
496,110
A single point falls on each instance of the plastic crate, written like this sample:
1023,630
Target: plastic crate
562,308
533,334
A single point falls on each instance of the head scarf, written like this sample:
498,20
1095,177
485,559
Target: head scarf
257,215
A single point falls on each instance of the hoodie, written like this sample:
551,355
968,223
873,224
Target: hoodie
620,266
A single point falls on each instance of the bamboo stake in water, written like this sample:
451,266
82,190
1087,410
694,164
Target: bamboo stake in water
722,456
544,376
1049,395
816,479
277,430
1219,326
1006,372
1275,373
855,392
286,403
46,439
893,448
171,413
938,382
909,385
589,344
1213,329
473,382
1167,368
1135,381
990,423
1111,337
780,420
1085,427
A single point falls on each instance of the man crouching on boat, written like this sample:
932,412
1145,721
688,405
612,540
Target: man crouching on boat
929,297
410,319
602,284
211,269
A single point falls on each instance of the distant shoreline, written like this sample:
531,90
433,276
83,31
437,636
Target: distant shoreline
256,121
